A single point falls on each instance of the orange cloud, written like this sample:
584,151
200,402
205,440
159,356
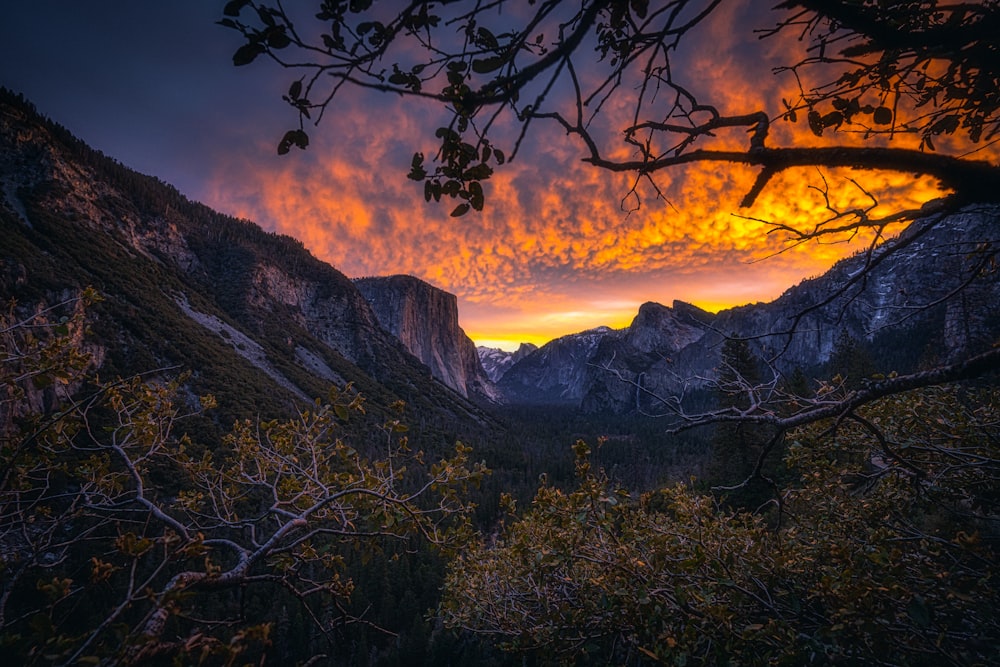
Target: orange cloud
554,251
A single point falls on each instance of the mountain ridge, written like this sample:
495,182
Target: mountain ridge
261,300
259,321
894,300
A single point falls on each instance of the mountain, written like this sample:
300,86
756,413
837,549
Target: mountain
496,362
264,325
556,373
425,319
897,302
257,320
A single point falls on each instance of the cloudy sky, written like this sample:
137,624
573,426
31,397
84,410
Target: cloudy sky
152,84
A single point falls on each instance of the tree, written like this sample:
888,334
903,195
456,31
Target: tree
886,554
850,361
123,541
736,445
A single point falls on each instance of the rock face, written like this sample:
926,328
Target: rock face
496,362
902,309
425,319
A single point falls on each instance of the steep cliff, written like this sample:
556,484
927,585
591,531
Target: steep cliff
425,319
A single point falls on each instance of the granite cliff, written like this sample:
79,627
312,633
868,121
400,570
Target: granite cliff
425,319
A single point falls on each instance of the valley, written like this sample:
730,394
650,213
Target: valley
212,305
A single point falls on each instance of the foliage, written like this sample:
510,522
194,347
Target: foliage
124,541
40,353
850,361
885,552
922,68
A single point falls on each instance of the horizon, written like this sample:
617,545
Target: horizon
555,252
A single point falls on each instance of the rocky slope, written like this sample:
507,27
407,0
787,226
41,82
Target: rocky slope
259,321
425,319
931,294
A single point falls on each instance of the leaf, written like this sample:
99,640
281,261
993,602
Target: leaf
293,138
487,39
487,65
833,119
476,197
132,545
640,7
233,7
946,125
265,17
247,53
460,210
815,123
277,38
648,653
417,173
295,90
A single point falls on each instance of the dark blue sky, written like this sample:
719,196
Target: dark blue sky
149,83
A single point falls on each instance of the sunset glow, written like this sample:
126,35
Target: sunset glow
561,247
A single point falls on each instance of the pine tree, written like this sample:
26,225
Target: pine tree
850,360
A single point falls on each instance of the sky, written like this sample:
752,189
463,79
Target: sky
152,84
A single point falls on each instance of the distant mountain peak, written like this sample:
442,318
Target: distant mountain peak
496,362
